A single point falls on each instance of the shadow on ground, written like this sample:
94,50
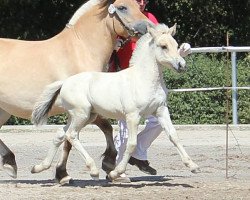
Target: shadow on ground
136,182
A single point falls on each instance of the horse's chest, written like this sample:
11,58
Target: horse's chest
154,101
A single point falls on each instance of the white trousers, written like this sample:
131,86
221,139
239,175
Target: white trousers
144,138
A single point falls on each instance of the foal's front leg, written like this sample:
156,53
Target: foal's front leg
166,123
132,123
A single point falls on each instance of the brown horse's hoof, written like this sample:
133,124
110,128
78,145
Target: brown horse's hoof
8,162
107,166
11,170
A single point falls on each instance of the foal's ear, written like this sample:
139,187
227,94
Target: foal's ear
172,30
152,31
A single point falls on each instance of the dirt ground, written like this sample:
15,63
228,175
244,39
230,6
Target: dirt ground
205,145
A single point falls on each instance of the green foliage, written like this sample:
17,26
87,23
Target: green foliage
244,95
17,121
206,107
58,119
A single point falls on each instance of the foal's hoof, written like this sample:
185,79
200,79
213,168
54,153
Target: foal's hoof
195,170
95,175
113,175
95,178
34,169
38,169
67,180
11,170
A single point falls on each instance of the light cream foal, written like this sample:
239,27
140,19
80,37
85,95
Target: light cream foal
136,92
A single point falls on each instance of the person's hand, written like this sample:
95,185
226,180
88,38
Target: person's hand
184,49
118,44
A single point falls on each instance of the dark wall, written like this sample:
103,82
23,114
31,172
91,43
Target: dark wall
202,23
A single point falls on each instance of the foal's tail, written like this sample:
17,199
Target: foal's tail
43,106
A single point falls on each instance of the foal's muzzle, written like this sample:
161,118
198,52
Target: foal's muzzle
181,66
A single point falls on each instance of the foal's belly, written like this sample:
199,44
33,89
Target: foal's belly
111,113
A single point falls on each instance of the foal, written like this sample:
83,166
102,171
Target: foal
130,94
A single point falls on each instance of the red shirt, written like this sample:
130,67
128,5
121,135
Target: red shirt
124,54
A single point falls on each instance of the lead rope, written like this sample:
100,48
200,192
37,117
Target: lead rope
112,10
131,32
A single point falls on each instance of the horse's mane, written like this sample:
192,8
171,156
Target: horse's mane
144,40
86,7
140,46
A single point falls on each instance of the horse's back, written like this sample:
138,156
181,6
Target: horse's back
92,90
25,69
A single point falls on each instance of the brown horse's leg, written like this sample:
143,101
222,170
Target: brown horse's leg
109,160
61,171
8,160
8,157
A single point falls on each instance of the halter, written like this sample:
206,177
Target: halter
113,11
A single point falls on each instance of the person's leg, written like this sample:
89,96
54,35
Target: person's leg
146,137
144,140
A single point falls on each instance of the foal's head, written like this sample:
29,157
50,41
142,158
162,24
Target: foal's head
166,48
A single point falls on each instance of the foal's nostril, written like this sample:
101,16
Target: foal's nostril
182,66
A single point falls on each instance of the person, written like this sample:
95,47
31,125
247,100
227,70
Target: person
119,61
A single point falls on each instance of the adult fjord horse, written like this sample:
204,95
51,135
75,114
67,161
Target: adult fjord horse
86,44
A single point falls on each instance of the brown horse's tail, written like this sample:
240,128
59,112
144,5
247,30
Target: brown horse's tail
43,106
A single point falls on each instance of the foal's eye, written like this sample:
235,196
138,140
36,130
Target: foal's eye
164,47
122,8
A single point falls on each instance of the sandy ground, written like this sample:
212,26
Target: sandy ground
205,145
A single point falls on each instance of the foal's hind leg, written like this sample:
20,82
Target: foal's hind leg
109,160
7,156
79,120
110,153
166,123
46,163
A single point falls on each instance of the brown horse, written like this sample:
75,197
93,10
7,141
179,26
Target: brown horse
86,44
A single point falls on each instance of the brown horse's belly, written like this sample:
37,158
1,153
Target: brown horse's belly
25,112
18,111
21,105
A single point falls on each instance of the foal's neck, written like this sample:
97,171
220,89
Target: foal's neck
144,62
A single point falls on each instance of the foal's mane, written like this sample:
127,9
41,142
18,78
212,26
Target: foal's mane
163,28
86,7
140,47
